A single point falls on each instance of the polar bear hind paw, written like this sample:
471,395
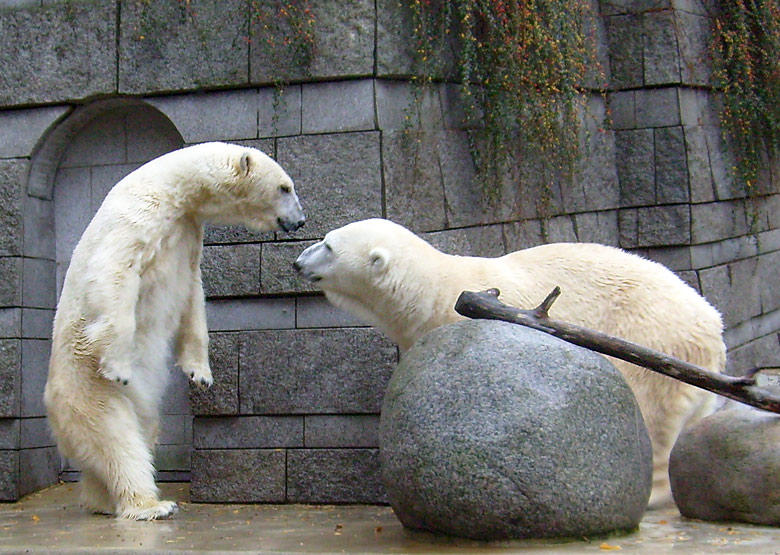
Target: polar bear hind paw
158,510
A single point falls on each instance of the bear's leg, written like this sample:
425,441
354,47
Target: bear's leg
661,494
122,459
662,427
192,338
149,423
657,399
116,291
94,494
683,404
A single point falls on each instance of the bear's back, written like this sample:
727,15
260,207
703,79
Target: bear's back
616,292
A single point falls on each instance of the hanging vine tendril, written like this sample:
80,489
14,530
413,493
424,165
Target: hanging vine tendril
747,70
523,66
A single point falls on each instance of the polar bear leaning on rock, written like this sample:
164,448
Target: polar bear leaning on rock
133,288
389,277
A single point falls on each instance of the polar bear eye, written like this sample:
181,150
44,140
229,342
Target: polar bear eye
285,188
327,247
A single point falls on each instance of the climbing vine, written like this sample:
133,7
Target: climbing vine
286,31
286,28
523,67
747,70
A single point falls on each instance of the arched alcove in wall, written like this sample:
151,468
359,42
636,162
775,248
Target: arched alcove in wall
102,152
74,167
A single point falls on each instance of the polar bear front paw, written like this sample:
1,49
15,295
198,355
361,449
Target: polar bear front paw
119,373
200,375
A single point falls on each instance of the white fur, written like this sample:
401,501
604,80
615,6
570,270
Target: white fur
391,278
133,290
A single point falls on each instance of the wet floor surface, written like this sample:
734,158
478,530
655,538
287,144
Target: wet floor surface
51,521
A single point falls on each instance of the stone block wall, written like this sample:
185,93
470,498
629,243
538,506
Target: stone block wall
28,458
680,203
91,89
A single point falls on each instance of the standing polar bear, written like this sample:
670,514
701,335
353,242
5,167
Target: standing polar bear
133,288
389,277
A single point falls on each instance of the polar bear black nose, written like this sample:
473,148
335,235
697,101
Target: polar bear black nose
296,266
290,226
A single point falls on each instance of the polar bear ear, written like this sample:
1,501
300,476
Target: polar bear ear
379,258
244,164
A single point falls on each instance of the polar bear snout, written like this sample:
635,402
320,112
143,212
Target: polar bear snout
308,276
312,261
291,225
290,216
305,273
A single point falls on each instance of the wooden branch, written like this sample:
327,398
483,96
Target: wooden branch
485,305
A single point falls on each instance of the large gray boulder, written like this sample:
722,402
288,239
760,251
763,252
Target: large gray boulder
727,468
492,431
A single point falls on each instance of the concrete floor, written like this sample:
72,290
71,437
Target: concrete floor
51,521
